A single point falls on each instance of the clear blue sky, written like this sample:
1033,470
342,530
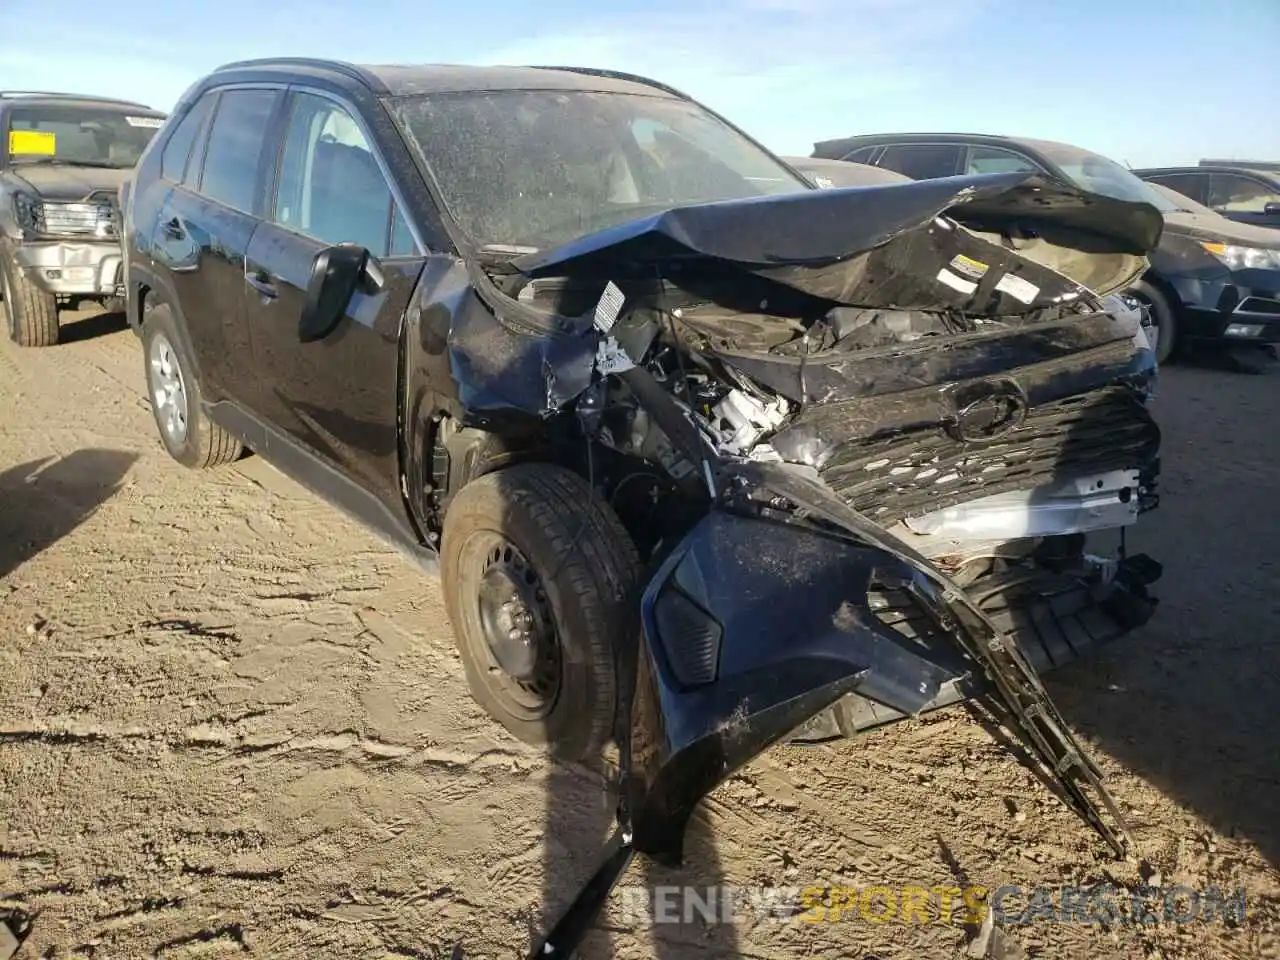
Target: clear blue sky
1142,81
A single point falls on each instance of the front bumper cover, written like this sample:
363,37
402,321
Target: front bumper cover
73,267
753,626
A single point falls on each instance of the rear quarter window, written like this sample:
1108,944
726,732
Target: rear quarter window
177,152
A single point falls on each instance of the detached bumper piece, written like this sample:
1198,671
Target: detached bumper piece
1054,618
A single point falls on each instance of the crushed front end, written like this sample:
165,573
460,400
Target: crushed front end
868,438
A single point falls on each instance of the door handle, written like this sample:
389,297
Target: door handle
173,229
261,282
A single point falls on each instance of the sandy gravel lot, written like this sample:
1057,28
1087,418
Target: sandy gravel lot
232,722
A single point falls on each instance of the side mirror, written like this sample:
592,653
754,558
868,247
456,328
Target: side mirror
1272,208
336,274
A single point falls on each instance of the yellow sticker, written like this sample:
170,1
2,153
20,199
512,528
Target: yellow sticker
971,268
40,142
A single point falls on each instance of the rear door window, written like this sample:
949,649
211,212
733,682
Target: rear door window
234,152
862,156
998,160
1195,186
923,161
1232,193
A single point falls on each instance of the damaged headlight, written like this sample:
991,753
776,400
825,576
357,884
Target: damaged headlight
29,212
1244,258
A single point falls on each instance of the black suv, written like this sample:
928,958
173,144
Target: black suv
1238,193
64,160
1209,284
707,456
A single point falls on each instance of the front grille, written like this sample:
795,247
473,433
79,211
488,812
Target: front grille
910,474
94,217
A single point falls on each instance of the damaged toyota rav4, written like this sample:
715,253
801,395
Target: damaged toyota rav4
709,458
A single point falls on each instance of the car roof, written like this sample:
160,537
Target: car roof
414,79
46,97
1270,175
843,146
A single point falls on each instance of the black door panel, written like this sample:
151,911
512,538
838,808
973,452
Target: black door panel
201,245
337,396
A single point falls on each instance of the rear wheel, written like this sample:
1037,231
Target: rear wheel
1164,320
540,584
31,314
189,437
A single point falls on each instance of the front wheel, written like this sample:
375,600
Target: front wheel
540,582
31,314
1163,317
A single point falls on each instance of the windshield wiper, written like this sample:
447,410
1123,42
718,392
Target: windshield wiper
63,162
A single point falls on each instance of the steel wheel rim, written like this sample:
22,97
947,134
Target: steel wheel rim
168,389
518,640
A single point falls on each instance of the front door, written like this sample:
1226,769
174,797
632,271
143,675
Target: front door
1245,199
337,397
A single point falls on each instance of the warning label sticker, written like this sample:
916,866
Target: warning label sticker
969,267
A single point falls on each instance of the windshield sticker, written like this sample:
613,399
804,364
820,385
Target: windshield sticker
154,123
956,282
42,143
1018,288
609,307
969,267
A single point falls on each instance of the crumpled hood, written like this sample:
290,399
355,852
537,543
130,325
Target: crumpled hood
58,182
817,241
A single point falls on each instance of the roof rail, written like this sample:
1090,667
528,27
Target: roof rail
619,75
55,95
349,70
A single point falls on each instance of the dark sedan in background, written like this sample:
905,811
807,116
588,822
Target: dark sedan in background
1248,195
1212,281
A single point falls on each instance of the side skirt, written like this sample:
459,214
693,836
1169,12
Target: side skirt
323,480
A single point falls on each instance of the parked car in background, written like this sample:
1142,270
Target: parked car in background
841,173
1248,195
1209,283
63,161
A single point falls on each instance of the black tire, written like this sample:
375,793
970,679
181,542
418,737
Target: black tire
1165,318
31,314
545,523
202,443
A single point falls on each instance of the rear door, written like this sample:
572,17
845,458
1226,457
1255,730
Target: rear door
1245,198
203,230
336,397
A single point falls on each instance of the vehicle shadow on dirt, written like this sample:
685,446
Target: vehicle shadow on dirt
91,326
42,501
1188,702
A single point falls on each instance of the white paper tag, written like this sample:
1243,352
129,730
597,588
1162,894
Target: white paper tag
609,307
153,122
1018,288
955,281
611,358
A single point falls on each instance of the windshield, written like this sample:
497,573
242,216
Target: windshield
1097,174
538,168
91,136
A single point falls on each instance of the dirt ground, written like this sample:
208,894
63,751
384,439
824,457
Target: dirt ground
232,722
